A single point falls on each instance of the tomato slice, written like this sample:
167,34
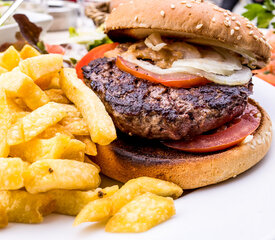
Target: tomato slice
238,130
55,49
97,52
178,80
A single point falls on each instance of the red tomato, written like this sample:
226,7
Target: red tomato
97,52
179,80
55,49
241,127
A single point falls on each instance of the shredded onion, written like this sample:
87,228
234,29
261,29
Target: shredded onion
154,42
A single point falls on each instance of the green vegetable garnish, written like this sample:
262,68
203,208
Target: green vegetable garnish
99,42
73,32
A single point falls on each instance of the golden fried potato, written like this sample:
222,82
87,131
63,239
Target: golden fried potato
138,186
35,123
3,70
72,111
95,211
49,174
54,82
3,216
10,58
141,214
100,124
75,150
54,130
5,123
40,66
20,85
75,125
38,149
28,52
70,202
57,95
11,173
90,148
23,207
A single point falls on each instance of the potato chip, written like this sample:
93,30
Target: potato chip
75,125
57,95
70,202
141,214
38,149
20,85
5,123
28,52
10,58
74,150
97,210
23,207
11,173
100,124
35,123
54,130
40,66
138,186
3,216
45,175
90,148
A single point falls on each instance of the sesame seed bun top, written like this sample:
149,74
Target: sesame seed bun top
195,21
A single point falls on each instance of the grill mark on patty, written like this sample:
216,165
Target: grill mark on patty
154,111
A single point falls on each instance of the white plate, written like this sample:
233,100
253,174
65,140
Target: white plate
242,208
7,32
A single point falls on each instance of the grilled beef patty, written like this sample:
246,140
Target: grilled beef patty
140,107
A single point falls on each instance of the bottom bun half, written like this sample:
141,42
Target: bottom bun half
130,157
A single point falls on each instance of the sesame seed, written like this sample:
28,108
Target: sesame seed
232,32
248,25
131,2
199,26
252,146
233,18
188,5
237,28
213,19
216,8
172,6
251,32
183,2
229,13
162,13
239,37
136,18
238,23
225,14
227,23
227,19
121,4
255,37
259,141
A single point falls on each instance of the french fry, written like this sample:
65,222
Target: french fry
138,186
45,175
11,173
90,148
97,210
20,85
75,125
5,123
72,111
100,124
3,70
3,216
70,202
75,150
57,95
23,207
141,214
10,58
40,66
35,123
38,149
54,130
54,82
28,52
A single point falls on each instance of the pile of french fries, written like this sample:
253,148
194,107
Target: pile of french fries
49,124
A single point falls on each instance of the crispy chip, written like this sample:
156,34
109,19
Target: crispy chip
45,175
97,210
10,58
23,207
100,124
40,66
28,52
57,95
75,125
3,216
20,85
11,173
75,150
70,202
90,148
141,214
35,123
5,122
38,149
52,131
138,186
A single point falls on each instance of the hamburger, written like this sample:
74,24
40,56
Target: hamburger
176,83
